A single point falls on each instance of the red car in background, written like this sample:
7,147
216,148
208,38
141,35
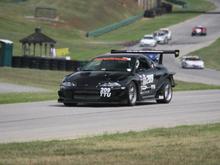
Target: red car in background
199,31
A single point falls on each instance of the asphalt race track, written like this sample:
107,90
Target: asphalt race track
183,41
50,120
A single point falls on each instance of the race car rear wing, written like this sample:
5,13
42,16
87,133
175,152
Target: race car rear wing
146,52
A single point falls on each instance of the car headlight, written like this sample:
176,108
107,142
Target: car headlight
110,84
68,84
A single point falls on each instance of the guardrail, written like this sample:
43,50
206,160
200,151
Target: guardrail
178,2
114,26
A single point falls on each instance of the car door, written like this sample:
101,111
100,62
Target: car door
146,74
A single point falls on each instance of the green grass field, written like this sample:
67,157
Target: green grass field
184,145
210,55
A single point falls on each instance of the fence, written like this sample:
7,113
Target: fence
178,2
114,26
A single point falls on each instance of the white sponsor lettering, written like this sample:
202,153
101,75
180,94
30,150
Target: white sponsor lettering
153,86
105,92
147,79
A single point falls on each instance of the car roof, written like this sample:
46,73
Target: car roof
148,35
199,26
192,57
166,29
130,55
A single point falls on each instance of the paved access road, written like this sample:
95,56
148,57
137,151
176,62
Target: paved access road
50,120
183,41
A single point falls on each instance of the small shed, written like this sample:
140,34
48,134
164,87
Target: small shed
6,50
37,44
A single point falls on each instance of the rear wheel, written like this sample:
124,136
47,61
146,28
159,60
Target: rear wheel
132,94
166,93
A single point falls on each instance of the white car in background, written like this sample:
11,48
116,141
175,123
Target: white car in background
192,62
168,33
148,40
161,37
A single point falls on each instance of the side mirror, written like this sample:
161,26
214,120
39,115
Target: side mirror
152,64
78,69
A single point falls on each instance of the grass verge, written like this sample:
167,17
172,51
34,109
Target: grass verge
187,86
184,145
8,98
50,80
210,55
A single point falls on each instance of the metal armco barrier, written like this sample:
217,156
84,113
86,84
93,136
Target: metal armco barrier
178,2
46,63
114,26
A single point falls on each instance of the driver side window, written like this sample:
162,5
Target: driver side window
144,65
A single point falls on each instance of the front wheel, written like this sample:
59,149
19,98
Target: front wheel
166,93
132,94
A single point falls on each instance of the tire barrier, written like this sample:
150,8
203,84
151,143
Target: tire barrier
45,63
62,64
16,62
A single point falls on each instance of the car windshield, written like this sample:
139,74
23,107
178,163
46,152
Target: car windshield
149,38
122,64
161,34
193,59
165,31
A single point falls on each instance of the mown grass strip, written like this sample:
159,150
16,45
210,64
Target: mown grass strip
187,86
184,145
8,98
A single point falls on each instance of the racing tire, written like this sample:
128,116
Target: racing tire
132,94
166,92
69,104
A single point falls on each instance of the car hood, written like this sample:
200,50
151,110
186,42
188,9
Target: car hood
195,62
160,37
147,41
94,78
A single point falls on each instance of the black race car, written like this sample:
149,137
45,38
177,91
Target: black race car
123,77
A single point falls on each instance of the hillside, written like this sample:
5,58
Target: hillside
75,17
83,14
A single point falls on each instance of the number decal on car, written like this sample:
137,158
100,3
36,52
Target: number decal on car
147,79
105,92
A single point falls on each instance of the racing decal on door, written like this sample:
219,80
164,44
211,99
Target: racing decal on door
147,82
105,92
147,79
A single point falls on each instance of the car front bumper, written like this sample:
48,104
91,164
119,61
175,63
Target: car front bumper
193,66
71,95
